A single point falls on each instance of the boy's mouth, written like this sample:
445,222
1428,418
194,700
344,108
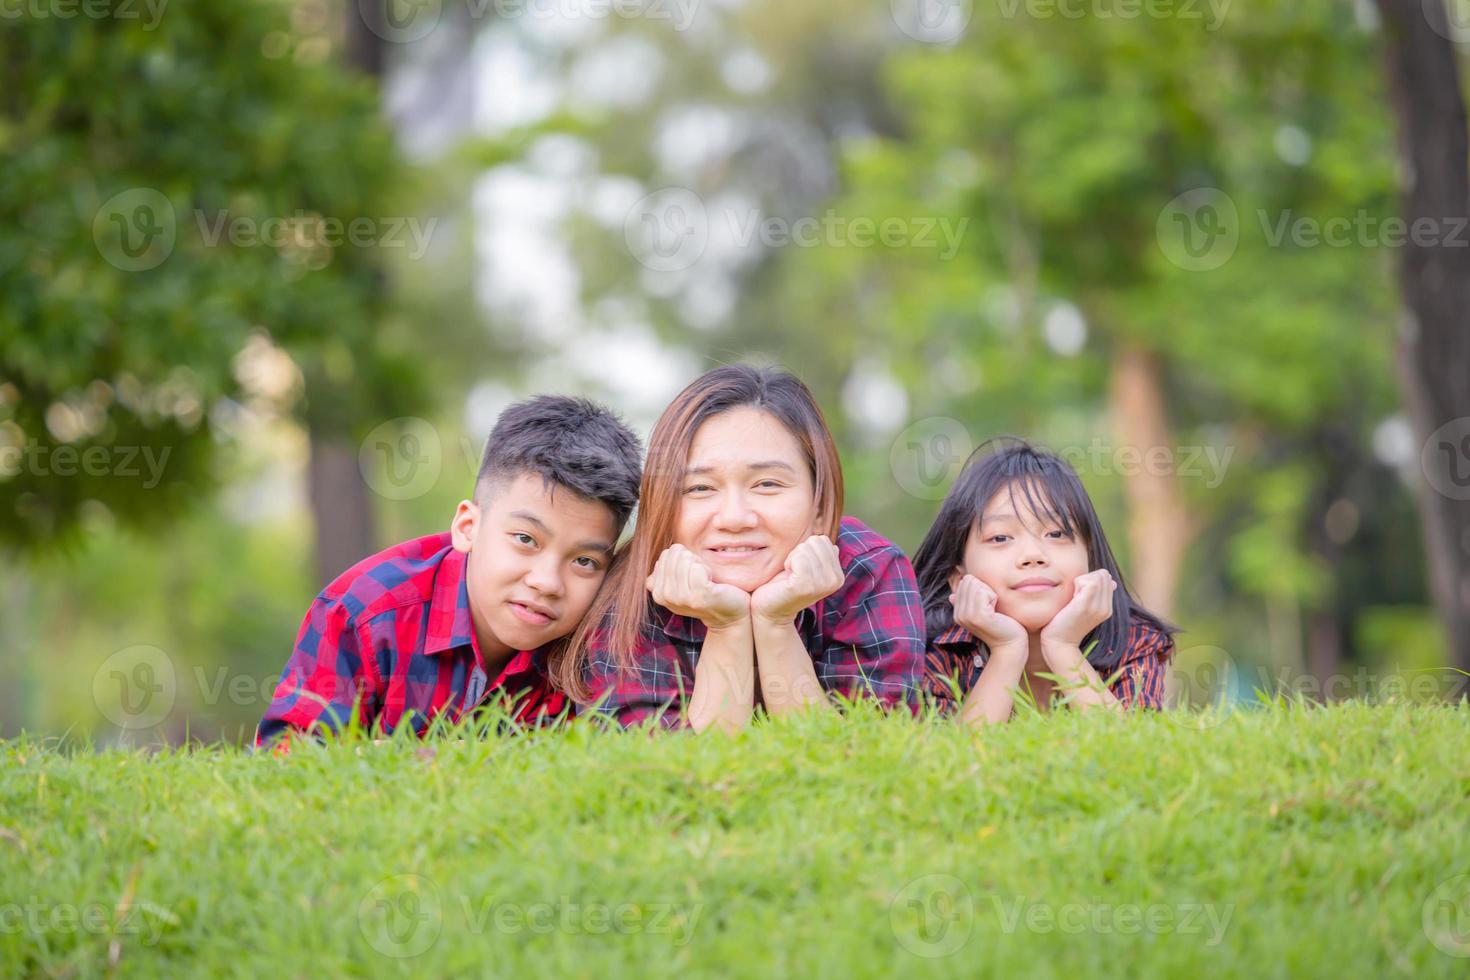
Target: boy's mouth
531,613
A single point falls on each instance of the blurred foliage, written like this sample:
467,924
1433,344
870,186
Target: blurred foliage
123,315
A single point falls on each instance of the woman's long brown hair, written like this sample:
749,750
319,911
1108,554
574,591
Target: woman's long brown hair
622,606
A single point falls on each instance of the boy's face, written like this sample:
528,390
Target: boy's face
747,498
536,558
1029,561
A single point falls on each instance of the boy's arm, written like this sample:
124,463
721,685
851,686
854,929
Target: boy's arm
327,681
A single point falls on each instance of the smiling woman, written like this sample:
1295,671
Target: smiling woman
743,584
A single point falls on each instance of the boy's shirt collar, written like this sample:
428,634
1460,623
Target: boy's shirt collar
450,622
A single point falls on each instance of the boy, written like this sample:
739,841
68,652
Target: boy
446,622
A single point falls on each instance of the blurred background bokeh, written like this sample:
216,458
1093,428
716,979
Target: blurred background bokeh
270,268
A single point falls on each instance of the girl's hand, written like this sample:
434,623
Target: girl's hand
682,584
1091,604
974,609
812,573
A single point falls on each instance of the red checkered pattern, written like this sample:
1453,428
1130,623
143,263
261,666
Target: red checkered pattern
392,639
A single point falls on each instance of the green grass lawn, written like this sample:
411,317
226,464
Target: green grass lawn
1276,842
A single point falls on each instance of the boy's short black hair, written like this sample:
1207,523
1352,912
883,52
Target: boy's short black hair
570,442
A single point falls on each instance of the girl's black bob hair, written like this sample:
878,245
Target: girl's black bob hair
1052,491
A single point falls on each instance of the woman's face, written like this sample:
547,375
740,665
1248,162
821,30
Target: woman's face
747,499
1029,561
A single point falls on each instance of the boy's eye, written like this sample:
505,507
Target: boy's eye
523,538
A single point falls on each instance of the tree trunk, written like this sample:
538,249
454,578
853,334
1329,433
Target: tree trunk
1433,342
1158,524
340,506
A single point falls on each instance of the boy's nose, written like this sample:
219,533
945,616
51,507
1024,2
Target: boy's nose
544,580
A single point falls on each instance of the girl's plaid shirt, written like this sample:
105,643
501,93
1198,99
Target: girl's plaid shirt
955,656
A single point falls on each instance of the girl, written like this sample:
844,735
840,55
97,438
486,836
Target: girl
1018,582
743,584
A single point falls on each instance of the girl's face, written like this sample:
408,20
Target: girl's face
1028,560
748,497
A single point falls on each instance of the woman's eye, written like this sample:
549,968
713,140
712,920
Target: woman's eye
769,485
700,488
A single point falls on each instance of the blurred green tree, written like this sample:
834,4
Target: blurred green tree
173,187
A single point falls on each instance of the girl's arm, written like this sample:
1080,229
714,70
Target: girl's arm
1077,678
1061,640
992,699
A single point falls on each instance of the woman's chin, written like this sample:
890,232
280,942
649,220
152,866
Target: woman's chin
746,580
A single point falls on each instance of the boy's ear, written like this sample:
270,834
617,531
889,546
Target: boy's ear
462,528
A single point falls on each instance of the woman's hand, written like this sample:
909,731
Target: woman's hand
974,609
812,573
682,584
1091,604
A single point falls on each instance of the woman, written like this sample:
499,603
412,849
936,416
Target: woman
743,584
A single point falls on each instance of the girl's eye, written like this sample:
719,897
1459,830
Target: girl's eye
592,563
1058,535
999,538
